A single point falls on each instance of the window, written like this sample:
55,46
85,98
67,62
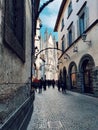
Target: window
82,23
70,37
14,27
57,45
83,19
69,8
62,26
63,43
71,34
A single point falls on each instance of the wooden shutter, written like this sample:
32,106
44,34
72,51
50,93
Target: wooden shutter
73,33
86,17
64,42
67,39
78,29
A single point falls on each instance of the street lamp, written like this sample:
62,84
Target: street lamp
75,49
84,35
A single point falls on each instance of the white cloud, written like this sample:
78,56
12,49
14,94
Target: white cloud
49,14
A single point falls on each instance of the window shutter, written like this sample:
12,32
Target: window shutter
64,42
73,33
78,29
67,39
86,17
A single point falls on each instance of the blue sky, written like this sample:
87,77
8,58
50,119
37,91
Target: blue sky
49,15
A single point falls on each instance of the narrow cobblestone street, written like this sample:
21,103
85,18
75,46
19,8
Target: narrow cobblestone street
54,110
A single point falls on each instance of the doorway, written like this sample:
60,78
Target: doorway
86,65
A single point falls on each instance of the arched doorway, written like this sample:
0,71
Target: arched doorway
73,75
85,66
64,77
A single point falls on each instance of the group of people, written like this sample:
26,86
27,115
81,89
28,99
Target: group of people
39,84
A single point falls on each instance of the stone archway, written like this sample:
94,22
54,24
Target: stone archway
85,68
73,75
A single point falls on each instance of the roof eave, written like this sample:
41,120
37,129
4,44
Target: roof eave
59,14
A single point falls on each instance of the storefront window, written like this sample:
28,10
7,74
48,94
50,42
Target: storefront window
73,77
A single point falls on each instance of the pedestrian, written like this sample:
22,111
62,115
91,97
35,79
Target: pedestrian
35,83
40,85
63,87
53,83
44,84
58,85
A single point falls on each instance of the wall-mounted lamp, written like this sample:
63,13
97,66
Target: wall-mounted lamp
59,62
65,57
84,35
75,49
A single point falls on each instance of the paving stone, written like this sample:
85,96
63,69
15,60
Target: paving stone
71,111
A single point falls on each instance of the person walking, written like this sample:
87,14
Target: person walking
63,87
40,85
35,83
58,85
44,84
53,83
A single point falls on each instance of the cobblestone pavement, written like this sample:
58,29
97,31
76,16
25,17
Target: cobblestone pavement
54,110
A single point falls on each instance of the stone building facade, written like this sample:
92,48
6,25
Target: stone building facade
15,53
78,61
38,61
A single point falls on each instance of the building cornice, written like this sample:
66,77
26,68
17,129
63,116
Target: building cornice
59,14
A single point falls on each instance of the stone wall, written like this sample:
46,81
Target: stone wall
20,118
14,73
95,80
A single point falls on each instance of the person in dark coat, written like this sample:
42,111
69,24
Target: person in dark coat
40,85
53,83
63,87
35,83
44,84
58,85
